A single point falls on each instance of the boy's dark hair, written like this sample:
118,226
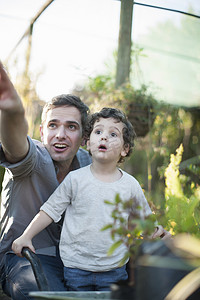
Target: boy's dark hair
128,132
67,100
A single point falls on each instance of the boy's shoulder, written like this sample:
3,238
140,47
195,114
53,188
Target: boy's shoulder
129,177
81,171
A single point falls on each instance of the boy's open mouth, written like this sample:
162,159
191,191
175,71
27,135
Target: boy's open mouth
102,148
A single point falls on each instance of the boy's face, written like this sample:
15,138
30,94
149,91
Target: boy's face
106,140
61,133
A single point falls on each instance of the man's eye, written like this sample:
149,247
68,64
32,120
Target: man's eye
52,125
72,127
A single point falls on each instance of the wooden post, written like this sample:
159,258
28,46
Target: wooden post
124,43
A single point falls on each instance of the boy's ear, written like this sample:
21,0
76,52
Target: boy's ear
88,144
125,151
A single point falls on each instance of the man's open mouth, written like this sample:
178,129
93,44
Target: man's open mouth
60,146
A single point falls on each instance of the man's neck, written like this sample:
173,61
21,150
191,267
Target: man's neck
61,176
63,168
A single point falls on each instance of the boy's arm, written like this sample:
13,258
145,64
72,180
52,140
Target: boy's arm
13,124
40,222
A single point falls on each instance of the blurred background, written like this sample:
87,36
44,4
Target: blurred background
142,57
74,40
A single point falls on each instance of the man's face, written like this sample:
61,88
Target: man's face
61,133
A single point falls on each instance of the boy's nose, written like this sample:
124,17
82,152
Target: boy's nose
104,138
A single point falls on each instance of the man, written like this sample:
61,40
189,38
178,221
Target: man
33,171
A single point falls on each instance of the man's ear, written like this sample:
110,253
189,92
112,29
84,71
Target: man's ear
41,132
83,143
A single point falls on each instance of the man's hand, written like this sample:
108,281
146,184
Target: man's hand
161,232
13,124
9,99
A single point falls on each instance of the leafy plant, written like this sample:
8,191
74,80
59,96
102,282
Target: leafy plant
131,233
182,199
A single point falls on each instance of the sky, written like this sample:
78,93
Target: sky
73,39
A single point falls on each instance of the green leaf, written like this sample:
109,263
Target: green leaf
124,259
114,247
108,226
117,199
108,202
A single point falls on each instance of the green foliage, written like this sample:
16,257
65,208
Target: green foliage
182,199
138,104
130,233
101,92
100,83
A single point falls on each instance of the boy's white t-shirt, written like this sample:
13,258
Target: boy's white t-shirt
81,196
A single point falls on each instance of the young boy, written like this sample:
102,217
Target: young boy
81,195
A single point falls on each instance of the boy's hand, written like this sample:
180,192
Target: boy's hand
20,243
161,232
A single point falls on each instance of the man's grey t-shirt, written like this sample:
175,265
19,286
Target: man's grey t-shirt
26,186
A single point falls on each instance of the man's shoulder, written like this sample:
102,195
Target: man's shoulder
40,147
39,153
37,143
83,157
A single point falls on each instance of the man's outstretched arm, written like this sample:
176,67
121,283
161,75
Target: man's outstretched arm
13,124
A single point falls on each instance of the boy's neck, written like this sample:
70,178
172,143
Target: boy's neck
105,172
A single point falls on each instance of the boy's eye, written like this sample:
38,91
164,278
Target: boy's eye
98,131
113,134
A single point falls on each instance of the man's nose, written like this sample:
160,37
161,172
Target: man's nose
61,133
